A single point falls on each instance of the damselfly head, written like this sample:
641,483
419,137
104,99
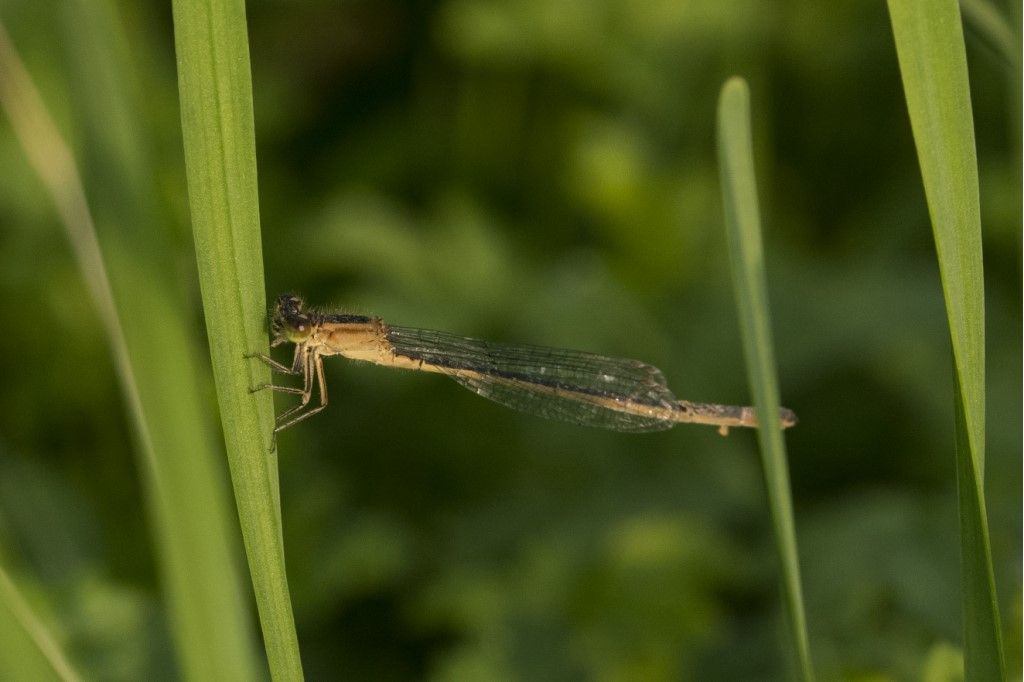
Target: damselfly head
289,322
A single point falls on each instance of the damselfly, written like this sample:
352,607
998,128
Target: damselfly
573,386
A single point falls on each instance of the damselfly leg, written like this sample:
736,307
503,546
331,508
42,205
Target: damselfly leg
308,363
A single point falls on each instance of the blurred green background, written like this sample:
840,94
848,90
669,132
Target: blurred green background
539,171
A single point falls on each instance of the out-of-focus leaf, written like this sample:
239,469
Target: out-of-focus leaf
29,651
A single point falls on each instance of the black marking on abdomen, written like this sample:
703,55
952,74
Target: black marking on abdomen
344,319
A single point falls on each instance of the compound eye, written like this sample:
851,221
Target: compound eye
289,303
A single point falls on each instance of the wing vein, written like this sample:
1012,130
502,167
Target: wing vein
573,386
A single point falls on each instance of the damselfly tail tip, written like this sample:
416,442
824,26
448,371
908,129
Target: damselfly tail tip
789,418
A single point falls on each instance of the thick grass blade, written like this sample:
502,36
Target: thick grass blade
933,63
743,230
215,87
153,350
29,651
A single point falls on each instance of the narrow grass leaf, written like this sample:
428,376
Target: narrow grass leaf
743,231
933,63
993,28
29,651
215,88
148,331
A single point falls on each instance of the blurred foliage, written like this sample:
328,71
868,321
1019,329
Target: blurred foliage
544,171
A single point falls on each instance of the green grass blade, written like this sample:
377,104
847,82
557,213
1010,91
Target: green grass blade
153,349
215,88
743,230
29,651
933,63
993,28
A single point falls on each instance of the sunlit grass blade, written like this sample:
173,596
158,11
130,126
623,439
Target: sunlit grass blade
215,88
743,230
29,651
148,331
933,63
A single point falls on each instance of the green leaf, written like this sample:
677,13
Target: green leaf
220,156
128,267
29,651
933,63
743,231
994,29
